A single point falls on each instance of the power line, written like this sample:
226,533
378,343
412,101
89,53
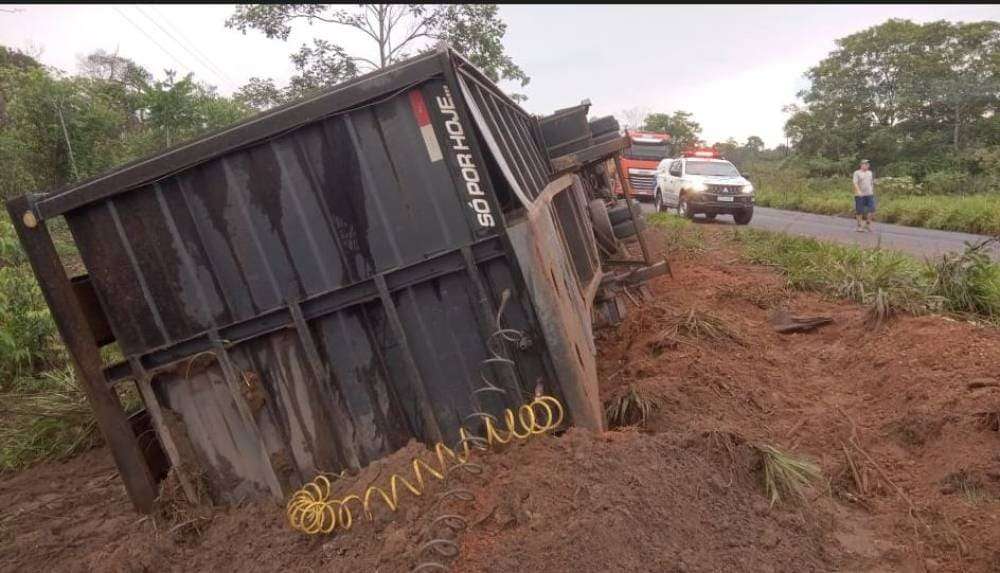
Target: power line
151,39
206,66
193,45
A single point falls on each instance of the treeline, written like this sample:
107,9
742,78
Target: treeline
918,100
56,128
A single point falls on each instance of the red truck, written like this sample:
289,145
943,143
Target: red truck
639,162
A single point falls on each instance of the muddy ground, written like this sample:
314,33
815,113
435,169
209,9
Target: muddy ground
891,415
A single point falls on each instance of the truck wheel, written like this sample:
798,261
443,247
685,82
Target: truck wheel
743,217
626,229
603,229
683,209
658,201
620,213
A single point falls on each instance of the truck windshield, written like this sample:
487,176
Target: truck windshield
712,168
653,151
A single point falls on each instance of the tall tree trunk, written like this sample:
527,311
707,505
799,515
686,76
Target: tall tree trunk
958,119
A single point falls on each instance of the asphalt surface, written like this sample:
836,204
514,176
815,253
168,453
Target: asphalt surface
913,240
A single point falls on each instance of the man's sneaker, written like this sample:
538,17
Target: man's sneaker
859,230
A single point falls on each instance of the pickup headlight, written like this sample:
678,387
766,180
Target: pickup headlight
697,187
748,188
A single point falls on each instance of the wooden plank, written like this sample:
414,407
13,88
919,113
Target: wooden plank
76,334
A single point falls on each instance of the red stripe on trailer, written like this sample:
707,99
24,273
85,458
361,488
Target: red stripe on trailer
419,108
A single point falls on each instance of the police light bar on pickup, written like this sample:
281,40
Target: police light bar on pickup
707,152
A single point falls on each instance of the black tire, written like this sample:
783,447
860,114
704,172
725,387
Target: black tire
743,217
626,229
683,209
658,201
710,216
620,213
604,125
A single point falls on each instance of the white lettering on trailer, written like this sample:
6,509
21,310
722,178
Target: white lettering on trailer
470,172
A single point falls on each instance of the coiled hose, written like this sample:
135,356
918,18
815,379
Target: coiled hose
312,510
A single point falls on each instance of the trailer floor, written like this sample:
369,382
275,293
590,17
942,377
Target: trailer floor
682,496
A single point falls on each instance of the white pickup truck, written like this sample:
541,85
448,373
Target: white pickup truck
703,183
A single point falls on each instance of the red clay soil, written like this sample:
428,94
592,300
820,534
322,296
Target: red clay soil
892,416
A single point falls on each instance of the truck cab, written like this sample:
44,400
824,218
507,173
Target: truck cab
638,163
701,181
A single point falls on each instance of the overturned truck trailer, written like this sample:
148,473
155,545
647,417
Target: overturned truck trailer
310,289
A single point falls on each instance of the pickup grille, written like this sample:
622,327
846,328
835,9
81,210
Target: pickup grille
725,189
644,183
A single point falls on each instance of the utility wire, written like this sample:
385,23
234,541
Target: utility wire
206,66
193,45
151,39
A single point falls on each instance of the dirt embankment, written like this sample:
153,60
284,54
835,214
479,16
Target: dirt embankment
891,416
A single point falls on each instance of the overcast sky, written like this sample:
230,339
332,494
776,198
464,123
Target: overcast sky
733,67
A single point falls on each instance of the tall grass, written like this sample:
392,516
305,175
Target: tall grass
43,413
44,418
886,281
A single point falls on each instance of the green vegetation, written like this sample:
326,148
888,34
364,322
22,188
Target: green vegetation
966,284
915,99
392,31
680,234
44,418
942,201
27,334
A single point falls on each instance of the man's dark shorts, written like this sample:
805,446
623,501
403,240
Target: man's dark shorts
864,204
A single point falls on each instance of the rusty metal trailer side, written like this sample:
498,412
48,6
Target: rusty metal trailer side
310,289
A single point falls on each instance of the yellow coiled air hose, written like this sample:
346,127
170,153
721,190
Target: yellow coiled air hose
312,510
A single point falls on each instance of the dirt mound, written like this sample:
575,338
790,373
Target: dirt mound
628,501
622,501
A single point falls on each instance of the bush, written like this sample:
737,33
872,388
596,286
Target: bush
946,183
898,186
27,332
968,282
886,281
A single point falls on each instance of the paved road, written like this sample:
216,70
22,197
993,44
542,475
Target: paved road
912,240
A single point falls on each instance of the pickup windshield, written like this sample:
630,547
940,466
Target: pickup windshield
712,168
652,151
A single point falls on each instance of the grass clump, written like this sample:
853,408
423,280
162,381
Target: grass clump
968,282
633,408
694,324
680,234
887,282
44,418
786,476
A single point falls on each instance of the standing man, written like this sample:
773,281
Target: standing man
864,196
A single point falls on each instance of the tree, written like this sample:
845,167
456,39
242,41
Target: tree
754,144
902,92
684,131
395,30
56,128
